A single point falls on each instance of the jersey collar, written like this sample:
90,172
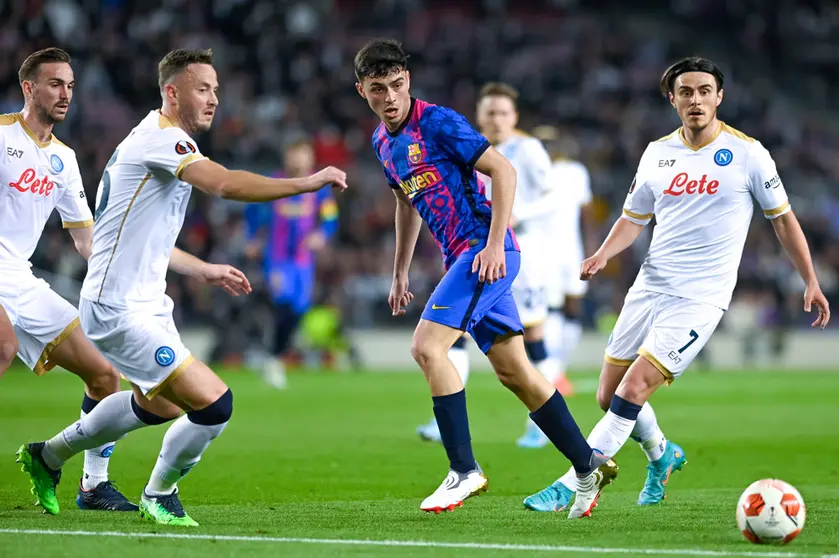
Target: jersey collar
19,117
720,126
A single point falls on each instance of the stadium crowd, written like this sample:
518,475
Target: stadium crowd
589,68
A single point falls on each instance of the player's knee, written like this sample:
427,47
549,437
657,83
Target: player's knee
8,350
425,353
218,412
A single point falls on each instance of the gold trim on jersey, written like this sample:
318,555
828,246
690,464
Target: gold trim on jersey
186,161
19,118
43,366
618,361
638,215
776,211
670,135
164,121
171,377
7,119
668,376
681,131
77,224
119,232
736,133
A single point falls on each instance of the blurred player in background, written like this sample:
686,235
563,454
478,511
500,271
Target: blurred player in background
430,155
573,233
141,203
40,174
291,232
700,182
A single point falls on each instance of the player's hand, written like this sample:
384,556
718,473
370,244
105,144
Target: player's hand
813,295
490,263
592,265
227,277
329,175
399,296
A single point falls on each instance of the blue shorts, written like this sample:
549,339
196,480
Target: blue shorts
485,311
291,283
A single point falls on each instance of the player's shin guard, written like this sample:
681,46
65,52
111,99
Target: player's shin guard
96,459
185,442
647,433
450,412
460,358
113,418
555,420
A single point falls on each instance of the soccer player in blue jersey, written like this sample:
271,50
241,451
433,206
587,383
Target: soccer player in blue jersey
429,155
294,230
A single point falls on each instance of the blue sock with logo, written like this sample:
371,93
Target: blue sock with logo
555,420
450,412
96,459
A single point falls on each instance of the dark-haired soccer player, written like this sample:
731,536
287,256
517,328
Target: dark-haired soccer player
429,155
700,183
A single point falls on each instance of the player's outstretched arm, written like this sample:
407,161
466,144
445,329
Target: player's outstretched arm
408,224
792,238
623,234
491,263
245,186
83,240
227,277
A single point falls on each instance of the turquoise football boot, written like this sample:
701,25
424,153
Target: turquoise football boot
658,473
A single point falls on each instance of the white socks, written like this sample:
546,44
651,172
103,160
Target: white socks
608,436
112,419
96,464
183,445
648,434
553,337
460,358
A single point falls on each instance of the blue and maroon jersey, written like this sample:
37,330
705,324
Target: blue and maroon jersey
431,158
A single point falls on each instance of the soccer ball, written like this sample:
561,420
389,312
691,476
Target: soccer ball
770,511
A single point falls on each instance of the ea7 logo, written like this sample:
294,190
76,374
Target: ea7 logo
12,152
666,162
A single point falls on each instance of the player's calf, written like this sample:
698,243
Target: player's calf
8,342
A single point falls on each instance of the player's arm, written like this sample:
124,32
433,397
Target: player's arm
408,224
503,175
83,240
227,277
769,191
245,186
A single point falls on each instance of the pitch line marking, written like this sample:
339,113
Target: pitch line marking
415,544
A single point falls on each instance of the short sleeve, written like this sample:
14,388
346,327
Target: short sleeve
171,150
640,202
454,135
765,184
73,208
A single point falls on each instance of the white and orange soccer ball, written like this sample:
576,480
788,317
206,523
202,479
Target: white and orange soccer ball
770,511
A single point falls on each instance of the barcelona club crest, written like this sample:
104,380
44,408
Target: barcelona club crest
414,153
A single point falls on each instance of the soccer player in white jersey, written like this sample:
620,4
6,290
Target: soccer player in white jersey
39,174
141,204
700,183
571,227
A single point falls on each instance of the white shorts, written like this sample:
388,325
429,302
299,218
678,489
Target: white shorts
42,319
143,344
566,281
668,330
529,287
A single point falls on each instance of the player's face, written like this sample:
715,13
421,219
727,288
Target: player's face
389,97
497,117
51,91
197,96
696,98
300,160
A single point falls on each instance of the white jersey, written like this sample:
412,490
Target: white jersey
35,178
702,199
532,207
574,185
140,208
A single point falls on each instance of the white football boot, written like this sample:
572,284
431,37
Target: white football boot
456,488
590,486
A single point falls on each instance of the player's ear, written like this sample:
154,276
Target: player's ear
360,89
26,87
719,96
672,99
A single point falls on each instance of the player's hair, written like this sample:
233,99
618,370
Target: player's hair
302,141
689,64
178,60
380,58
29,69
500,89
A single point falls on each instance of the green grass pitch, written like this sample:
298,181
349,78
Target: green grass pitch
335,458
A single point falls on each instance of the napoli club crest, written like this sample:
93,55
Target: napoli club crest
414,153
